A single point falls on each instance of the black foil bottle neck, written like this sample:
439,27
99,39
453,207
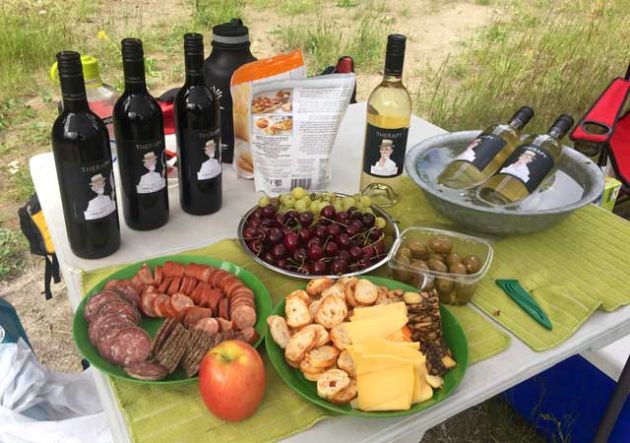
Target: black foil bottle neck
71,80
133,64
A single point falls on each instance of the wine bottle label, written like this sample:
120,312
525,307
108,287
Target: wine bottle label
91,189
482,150
530,164
384,151
143,164
204,154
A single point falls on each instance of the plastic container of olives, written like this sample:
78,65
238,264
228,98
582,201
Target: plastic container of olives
450,262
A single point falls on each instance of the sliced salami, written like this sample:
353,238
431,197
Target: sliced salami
129,293
231,284
138,283
225,325
210,325
214,298
180,302
218,277
113,283
130,345
146,370
101,323
224,308
197,292
191,269
205,273
94,303
121,307
145,275
159,305
174,287
195,314
166,283
158,275
104,342
244,317
248,335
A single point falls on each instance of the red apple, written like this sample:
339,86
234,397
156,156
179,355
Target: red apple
232,380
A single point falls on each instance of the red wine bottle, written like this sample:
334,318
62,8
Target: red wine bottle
139,132
198,131
83,160
345,65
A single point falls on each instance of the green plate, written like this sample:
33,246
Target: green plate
453,334
151,325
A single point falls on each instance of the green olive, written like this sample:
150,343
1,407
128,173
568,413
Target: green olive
404,252
419,265
437,265
444,286
452,259
457,268
434,256
418,249
441,244
472,263
464,292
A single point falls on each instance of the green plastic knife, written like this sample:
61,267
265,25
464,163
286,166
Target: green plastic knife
522,298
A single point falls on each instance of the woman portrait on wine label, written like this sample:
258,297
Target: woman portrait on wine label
211,167
151,181
469,153
519,168
385,166
102,205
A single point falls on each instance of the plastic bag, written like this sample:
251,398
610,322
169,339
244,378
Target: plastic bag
38,405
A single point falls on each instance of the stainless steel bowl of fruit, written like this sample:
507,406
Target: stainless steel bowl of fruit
577,182
301,234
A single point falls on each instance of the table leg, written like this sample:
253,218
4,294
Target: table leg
615,404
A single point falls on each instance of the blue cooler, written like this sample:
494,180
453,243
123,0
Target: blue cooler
567,401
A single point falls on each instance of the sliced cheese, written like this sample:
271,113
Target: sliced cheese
381,326
422,391
378,310
389,389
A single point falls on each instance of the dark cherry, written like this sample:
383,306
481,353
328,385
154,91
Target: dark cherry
267,222
343,240
258,213
292,215
291,241
338,267
328,211
334,229
369,252
299,255
379,246
306,219
356,252
280,218
376,233
352,230
358,224
321,231
268,257
313,241
304,235
342,217
318,268
364,263
269,211
331,249
278,251
281,263
368,219
344,255
274,235
315,252
354,212
256,246
253,222
249,232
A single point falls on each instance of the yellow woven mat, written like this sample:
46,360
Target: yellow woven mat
571,270
176,413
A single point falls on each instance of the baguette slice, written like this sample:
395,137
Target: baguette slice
323,357
279,330
332,382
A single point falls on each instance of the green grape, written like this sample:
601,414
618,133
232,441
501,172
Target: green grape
347,203
322,205
327,196
282,209
263,201
307,200
365,201
380,222
289,201
299,205
283,198
298,192
338,206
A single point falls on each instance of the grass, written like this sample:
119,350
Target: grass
208,13
325,38
12,246
556,57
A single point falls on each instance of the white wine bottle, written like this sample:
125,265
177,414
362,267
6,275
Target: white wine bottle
388,115
527,167
486,153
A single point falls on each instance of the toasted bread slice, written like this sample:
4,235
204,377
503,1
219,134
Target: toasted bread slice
349,293
297,311
313,376
317,285
331,312
323,336
335,290
312,308
340,337
299,344
345,363
332,382
300,293
346,395
323,357
279,330
365,292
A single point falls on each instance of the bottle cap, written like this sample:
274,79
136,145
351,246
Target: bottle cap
90,68
345,65
71,75
193,43
230,33
522,117
132,49
561,126
395,54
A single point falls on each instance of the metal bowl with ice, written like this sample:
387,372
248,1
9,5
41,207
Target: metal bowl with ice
577,182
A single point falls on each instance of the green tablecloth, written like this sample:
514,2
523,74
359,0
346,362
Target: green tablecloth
176,413
572,269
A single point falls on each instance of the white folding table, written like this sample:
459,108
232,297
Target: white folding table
482,380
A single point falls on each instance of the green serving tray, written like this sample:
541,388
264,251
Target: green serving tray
453,334
151,325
